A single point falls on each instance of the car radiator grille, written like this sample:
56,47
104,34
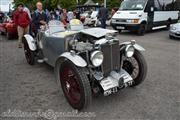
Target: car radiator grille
111,58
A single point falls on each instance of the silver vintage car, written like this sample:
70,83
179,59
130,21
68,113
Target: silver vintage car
87,61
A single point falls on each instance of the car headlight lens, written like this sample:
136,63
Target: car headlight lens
132,21
97,58
130,51
129,21
173,28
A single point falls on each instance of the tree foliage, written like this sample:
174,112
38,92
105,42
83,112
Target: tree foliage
68,4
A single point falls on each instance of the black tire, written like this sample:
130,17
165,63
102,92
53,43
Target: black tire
1,33
80,87
142,65
8,36
30,55
142,29
171,37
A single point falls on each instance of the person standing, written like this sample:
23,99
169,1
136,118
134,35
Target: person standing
22,20
103,16
70,16
1,17
38,18
64,14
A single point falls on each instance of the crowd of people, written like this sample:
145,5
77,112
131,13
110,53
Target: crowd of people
29,22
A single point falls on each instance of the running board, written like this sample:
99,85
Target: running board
159,27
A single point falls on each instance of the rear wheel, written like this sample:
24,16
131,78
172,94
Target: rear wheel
136,66
8,36
29,54
75,85
1,33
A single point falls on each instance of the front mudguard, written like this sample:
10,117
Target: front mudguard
73,57
133,43
31,42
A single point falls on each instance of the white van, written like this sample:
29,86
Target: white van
142,15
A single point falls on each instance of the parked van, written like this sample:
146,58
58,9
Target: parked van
142,15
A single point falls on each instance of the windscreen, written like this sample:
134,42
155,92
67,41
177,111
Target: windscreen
133,5
55,26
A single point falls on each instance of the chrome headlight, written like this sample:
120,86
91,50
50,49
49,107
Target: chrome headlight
97,58
173,28
132,21
130,51
129,21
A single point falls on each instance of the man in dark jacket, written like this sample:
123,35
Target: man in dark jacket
22,21
39,18
1,17
103,16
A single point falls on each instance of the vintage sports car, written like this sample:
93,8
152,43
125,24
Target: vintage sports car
8,28
87,61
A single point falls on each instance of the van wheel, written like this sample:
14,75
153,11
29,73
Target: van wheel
142,29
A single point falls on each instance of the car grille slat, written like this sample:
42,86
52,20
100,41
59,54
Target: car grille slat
111,58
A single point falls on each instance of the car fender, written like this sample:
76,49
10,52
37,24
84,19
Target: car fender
31,42
135,45
74,58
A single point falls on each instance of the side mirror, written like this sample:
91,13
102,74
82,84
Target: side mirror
152,9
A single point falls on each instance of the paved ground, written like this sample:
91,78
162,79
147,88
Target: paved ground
29,88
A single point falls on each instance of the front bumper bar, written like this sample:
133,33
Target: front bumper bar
116,81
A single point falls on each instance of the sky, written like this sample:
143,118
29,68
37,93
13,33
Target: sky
4,5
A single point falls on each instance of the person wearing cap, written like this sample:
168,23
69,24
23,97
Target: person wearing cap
22,20
38,18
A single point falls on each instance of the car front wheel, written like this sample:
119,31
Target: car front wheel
142,29
75,85
136,66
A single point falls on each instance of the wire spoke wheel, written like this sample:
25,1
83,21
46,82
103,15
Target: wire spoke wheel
75,85
136,66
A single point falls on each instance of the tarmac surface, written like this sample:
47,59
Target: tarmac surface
26,88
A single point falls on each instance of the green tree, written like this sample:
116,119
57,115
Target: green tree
68,4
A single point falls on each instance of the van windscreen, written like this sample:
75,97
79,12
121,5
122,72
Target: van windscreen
133,5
